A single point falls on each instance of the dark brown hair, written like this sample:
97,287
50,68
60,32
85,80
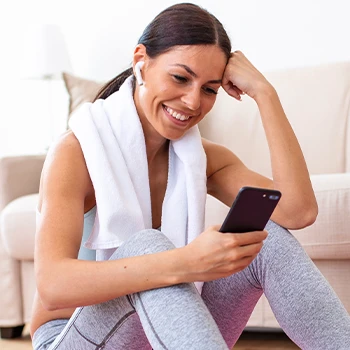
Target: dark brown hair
180,24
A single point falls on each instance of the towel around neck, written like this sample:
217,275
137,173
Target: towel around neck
113,143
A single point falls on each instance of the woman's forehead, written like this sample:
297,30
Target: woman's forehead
196,57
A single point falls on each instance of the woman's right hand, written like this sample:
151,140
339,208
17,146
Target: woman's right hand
213,255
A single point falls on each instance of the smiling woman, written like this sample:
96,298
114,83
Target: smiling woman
178,63
134,159
182,90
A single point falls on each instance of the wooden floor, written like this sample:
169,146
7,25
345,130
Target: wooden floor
248,341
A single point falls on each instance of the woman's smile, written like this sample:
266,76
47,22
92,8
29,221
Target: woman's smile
176,117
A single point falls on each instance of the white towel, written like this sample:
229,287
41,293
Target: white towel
113,143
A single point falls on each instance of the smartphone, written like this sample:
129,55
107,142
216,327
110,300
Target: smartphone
251,210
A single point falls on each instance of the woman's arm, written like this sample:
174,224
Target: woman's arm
289,170
62,280
298,207
65,282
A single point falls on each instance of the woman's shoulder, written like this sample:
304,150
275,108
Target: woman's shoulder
65,169
65,153
67,142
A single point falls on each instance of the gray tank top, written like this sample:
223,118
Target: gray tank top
85,253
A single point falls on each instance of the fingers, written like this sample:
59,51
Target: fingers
227,84
241,77
216,255
244,245
242,239
233,90
239,58
237,53
235,264
243,263
247,251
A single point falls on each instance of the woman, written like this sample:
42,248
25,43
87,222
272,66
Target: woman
140,295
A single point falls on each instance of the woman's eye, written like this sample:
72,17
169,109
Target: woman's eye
210,91
180,79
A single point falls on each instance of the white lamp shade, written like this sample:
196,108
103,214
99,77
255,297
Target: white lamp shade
45,53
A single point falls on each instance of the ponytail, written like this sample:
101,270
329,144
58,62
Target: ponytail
114,85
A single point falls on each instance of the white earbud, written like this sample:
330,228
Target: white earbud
138,67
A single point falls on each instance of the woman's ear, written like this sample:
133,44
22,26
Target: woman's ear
140,56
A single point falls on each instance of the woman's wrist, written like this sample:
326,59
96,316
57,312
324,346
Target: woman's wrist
266,93
183,273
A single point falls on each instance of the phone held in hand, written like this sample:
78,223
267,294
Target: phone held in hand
251,210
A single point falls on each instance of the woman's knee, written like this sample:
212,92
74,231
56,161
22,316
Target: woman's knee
277,233
280,250
280,243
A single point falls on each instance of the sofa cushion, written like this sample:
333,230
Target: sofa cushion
17,226
329,237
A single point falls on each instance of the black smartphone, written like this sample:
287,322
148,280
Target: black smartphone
251,210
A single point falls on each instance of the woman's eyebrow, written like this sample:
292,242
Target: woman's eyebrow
190,71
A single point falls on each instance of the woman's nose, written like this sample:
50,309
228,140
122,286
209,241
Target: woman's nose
192,99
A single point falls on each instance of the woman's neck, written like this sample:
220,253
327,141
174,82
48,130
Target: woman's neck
156,147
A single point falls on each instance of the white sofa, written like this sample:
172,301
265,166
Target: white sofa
317,102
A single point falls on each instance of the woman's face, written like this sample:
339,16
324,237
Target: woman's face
179,88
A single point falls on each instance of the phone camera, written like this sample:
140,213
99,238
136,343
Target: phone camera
273,197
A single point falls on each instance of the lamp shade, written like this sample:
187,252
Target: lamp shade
45,53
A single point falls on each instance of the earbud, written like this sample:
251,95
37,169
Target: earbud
138,67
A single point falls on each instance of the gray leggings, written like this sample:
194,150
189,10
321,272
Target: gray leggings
178,317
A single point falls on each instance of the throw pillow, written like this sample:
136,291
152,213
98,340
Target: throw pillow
80,90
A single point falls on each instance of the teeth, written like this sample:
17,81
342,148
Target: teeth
176,115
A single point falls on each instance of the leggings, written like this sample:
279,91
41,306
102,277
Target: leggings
178,317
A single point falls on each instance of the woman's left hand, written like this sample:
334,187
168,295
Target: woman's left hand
241,77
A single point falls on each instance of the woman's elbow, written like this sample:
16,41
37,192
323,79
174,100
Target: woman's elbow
49,293
311,212
309,217
47,300
304,217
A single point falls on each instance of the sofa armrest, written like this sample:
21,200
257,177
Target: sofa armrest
19,176
326,182
329,237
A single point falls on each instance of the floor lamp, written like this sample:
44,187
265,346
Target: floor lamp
45,57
